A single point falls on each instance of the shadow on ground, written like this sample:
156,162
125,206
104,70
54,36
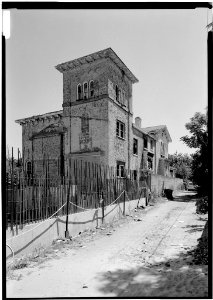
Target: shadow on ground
194,228
185,198
173,278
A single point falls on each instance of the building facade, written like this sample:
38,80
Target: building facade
95,123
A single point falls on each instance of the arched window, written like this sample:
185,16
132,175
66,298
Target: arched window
85,90
91,89
116,93
79,92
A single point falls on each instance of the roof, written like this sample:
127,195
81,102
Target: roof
49,115
156,129
143,131
72,64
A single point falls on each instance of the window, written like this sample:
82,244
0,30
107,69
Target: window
120,129
145,143
124,98
29,167
135,146
151,144
120,168
91,89
29,171
85,87
79,92
119,96
85,123
135,174
162,150
150,163
116,93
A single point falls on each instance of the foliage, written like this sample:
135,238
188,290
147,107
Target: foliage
182,164
201,251
202,205
198,140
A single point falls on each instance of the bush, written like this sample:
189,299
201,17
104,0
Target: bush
202,205
201,251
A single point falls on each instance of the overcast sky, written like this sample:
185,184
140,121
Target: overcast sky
165,49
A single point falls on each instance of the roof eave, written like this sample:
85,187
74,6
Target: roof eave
70,65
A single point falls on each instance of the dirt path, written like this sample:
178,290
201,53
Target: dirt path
145,258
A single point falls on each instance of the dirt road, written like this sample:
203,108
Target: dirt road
147,258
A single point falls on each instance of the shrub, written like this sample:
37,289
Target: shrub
202,205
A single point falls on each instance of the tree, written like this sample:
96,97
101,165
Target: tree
198,140
182,164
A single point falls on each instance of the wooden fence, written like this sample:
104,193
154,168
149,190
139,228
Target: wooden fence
31,199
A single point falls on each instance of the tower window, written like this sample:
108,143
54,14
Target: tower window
85,123
85,87
120,129
79,92
91,89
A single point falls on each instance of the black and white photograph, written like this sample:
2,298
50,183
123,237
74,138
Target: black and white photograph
106,151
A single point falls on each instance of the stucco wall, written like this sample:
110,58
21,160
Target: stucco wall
158,183
33,236
35,149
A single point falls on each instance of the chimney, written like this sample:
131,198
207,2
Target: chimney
138,122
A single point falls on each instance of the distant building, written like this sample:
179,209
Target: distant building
96,122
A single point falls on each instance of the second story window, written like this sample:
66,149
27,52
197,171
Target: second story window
135,146
124,98
79,92
116,93
135,174
120,129
152,144
91,89
85,90
85,123
145,143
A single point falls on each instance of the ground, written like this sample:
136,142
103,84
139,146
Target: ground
147,254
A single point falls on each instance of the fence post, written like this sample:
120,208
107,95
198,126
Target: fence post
67,214
124,202
102,205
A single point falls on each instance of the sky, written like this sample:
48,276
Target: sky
165,49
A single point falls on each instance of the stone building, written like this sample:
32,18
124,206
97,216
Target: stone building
95,123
